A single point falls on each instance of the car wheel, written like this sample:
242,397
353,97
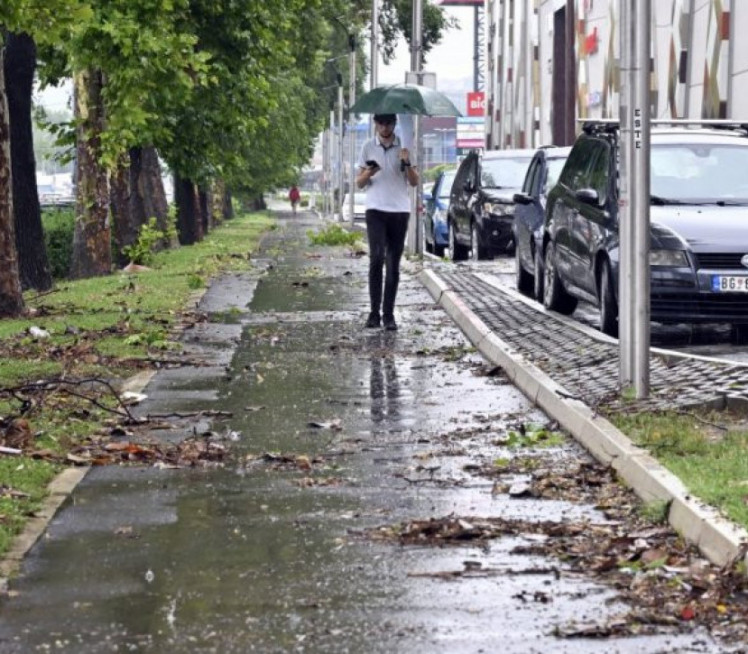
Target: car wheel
522,277
457,252
608,305
478,251
427,247
438,249
538,277
555,296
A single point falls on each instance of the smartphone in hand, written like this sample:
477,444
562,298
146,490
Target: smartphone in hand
372,164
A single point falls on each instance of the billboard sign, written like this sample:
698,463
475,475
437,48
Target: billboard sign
471,132
476,103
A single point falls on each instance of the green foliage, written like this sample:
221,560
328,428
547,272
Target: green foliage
27,476
534,436
397,18
59,225
702,449
149,237
431,174
333,234
656,511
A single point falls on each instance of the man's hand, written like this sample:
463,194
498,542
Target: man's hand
404,158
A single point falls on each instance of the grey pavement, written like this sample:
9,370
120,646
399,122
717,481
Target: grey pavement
571,372
339,436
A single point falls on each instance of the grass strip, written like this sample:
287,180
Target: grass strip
706,450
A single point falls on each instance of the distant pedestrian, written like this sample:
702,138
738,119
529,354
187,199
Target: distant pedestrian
385,170
293,197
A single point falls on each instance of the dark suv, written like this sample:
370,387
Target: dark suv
699,226
481,205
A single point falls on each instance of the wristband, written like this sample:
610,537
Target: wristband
406,164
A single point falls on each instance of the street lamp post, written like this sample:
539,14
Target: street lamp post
351,124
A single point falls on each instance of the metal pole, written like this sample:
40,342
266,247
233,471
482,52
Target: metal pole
634,286
351,125
641,161
325,155
626,201
330,159
340,157
374,73
416,49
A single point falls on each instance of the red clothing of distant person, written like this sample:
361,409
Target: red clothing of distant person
294,196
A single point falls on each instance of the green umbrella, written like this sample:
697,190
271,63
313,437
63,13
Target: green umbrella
405,99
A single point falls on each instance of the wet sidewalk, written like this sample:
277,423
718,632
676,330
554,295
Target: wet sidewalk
380,495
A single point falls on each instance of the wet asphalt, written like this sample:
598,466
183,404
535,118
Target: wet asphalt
333,430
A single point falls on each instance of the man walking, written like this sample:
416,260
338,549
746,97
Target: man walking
385,170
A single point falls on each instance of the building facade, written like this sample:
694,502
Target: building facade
552,62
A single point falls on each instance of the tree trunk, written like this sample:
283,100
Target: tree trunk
258,203
125,225
189,222
11,299
20,64
148,198
228,205
92,250
205,212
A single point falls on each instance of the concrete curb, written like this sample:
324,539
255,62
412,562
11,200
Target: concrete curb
718,539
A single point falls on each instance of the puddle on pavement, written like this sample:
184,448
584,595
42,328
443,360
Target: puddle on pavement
252,558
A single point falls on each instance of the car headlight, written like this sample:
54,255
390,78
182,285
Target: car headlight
498,208
674,258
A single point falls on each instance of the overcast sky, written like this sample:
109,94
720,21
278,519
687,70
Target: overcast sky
451,60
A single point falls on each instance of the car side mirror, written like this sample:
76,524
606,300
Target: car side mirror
522,198
588,196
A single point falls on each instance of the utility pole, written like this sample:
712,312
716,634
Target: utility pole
634,277
351,124
340,157
416,61
374,72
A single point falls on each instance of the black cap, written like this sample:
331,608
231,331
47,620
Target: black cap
384,119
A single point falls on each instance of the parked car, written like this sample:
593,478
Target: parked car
435,230
529,214
481,205
699,227
359,206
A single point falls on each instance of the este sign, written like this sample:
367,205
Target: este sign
476,103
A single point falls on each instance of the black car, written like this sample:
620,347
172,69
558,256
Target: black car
699,226
481,205
529,214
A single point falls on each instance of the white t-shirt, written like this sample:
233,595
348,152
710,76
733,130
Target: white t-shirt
388,188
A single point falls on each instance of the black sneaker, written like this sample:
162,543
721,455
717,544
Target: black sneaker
389,323
374,321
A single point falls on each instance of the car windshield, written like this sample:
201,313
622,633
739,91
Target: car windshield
504,172
554,170
446,188
698,172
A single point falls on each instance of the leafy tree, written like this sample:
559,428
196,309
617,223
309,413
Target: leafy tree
43,21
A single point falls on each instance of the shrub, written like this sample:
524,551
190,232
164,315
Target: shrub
59,225
141,252
333,234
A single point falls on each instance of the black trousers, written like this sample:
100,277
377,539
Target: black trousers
386,232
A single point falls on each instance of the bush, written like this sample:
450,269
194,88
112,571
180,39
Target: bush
59,225
334,234
141,252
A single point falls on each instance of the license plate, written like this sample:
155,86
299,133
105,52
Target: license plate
729,284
